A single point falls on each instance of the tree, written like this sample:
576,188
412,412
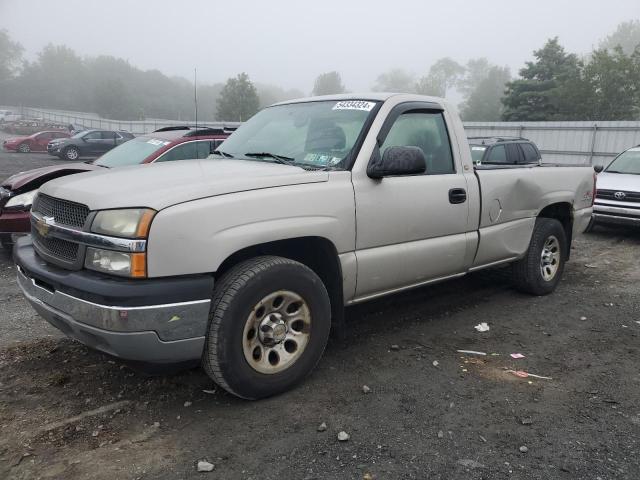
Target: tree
396,80
537,95
483,97
10,56
626,35
612,80
442,75
238,100
327,84
270,94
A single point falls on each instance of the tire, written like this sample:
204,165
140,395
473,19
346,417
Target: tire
71,153
590,227
24,148
7,244
236,356
536,275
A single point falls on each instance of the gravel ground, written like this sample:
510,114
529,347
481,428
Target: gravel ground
431,412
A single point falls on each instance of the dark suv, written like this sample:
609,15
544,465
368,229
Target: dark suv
504,151
88,143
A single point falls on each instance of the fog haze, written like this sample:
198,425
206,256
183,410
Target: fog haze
288,43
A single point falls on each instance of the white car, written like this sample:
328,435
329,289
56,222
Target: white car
618,191
4,114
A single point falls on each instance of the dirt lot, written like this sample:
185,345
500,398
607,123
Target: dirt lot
68,412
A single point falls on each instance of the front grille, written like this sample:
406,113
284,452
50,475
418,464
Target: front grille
63,212
56,247
611,195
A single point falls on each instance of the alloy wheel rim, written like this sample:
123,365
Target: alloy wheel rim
276,332
550,258
72,154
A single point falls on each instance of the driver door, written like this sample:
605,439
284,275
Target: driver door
411,229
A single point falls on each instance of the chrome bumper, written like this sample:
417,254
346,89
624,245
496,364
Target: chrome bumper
616,215
168,333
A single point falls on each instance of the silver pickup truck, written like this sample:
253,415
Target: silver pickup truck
245,260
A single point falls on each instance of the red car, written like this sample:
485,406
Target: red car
33,143
166,144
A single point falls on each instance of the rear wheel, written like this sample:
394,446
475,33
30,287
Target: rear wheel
540,270
269,325
71,153
24,148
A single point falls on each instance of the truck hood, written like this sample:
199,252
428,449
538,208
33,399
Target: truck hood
34,178
161,185
618,181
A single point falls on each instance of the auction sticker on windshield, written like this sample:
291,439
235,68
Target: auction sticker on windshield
354,105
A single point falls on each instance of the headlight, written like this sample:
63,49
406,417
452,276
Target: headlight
22,201
116,263
128,223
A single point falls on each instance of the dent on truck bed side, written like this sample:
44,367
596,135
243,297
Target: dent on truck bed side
513,198
197,236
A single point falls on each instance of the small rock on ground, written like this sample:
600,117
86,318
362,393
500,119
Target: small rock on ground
204,466
365,389
343,436
524,449
395,347
322,427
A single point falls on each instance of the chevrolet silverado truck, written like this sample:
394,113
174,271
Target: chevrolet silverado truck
244,261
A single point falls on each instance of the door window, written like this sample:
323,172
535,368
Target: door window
530,154
93,136
498,154
427,131
189,150
106,135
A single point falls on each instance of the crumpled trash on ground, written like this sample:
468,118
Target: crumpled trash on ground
523,374
517,355
471,352
482,327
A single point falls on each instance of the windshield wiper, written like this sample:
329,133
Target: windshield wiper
278,158
223,154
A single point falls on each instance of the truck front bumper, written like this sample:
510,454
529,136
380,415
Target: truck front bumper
158,321
616,215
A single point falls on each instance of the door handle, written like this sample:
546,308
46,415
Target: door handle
457,195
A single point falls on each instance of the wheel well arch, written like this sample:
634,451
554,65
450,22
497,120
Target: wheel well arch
317,253
563,212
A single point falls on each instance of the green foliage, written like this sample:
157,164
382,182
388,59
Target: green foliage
442,75
538,94
327,84
270,94
396,80
627,36
483,87
238,100
10,56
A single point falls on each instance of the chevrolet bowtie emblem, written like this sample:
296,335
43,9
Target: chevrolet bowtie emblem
43,224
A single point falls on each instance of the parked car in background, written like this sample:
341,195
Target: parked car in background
504,151
618,191
168,144
243,263
4,114
33,143
88,143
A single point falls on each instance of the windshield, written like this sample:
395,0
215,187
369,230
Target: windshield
133,152
627,162
477,153
311,134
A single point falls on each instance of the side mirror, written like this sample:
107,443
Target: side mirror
598,168
397,161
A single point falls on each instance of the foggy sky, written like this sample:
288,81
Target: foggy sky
289,42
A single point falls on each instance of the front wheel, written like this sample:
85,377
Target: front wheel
268,327
540,270
71,153
24,148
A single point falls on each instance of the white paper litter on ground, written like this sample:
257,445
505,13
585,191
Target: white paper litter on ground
482,327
